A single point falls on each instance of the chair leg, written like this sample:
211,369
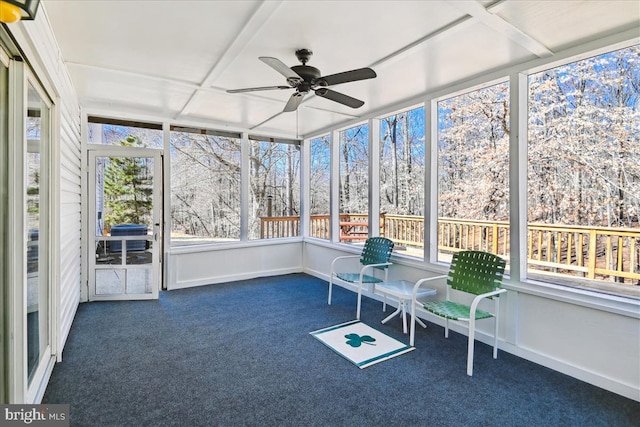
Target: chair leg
330,286
412,335
495,328
495,338
359,301
472,339
404,316
446,328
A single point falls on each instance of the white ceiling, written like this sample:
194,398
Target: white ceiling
174,60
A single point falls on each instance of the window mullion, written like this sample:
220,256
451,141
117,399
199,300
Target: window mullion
431,181
374,177
518,176
244,187
334,197
305,184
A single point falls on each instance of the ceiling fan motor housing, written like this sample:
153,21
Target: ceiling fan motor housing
304,55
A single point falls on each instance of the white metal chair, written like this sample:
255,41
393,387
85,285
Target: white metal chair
375,255
473,272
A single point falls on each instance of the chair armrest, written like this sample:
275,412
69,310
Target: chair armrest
477,299
340,258
364,267
422,281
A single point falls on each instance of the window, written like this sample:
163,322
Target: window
274,194
402,180
205,186
125,133
319,188
584,173
473,172
37,318
354,184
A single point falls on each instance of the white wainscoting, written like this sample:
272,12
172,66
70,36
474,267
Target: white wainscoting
197,266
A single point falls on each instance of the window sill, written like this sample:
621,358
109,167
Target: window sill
210,247
619,304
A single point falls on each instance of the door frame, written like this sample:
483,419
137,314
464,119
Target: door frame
94,151
17,388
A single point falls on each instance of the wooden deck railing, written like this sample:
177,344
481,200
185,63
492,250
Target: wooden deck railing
279,226
607,253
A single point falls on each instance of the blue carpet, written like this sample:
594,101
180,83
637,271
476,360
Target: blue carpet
240,354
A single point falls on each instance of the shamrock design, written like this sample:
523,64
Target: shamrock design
355,340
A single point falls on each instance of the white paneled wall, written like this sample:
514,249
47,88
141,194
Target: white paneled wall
189,267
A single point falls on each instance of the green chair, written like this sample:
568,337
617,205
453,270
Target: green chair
472,272
375,256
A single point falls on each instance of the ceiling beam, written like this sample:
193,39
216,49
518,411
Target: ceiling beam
240,41
502,26
394,56
145,76
432,37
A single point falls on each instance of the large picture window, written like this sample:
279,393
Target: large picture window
205,186
584,173
354,184
274,205
402,180
473,172
319,188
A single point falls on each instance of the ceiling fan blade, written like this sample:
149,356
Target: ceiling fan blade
253,89
280,67
339,97
294,102
349,76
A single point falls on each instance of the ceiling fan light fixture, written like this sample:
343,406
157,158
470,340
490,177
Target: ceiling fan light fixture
14,10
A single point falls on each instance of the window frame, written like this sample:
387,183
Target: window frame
378,140
517,78
281,142
517,280
168,182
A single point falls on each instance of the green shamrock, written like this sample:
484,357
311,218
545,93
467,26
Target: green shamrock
355,340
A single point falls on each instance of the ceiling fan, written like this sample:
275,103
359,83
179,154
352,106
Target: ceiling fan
305,78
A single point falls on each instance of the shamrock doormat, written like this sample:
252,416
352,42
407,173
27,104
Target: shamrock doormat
360,343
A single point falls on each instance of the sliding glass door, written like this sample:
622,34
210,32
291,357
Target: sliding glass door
36,215
4,201
26,272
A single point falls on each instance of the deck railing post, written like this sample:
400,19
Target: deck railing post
591,272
